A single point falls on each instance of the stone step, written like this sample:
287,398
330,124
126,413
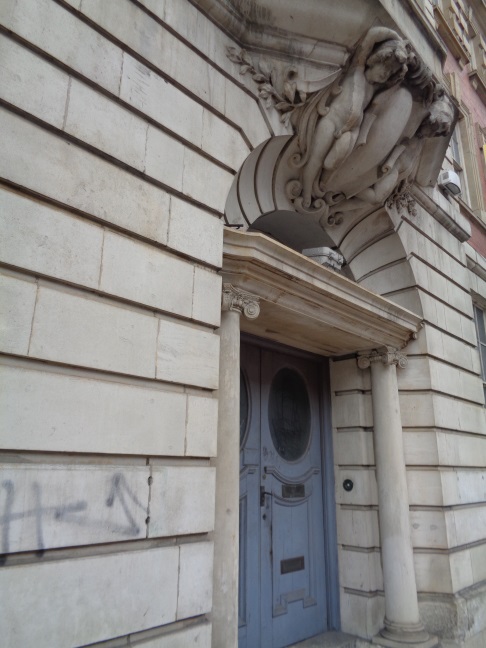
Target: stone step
328,640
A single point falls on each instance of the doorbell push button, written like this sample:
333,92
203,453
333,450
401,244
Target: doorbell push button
348,485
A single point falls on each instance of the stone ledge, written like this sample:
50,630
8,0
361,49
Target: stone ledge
328,640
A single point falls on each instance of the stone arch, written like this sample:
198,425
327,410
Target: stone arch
369,242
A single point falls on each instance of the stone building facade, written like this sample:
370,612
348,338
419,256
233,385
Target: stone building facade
243,339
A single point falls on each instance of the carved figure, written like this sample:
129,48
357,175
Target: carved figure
359,132
401,163
342,122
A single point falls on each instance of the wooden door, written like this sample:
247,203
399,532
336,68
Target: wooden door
282,571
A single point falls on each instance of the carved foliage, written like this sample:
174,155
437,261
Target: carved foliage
282,93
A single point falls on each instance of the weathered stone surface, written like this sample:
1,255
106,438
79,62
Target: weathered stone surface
49,506
420,447
202,422
147,275
204,181
223,141
164,158
93,334
345,376
360,570
354,447
106,126
16,312
195,232
352,410
362,614
364,491
80,179
63,413
182,500
461,449
428,410
52,600
195,579
32,84
358,528
60,34
47,240
187,355
206,303
199,635
445,486
143,89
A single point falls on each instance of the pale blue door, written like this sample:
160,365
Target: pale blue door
282,572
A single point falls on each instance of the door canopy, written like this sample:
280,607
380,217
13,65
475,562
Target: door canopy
361,136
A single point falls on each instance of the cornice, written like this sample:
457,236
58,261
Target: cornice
267,39
251,31
333,314
431,34
478,84
475,262
447,35
461,230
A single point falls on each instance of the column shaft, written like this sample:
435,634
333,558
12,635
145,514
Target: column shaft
401,604
402,620
227,462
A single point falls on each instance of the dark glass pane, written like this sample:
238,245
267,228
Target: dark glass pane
480,324
289,414
244,408
483,360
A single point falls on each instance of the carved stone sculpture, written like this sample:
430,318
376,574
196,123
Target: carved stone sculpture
358,132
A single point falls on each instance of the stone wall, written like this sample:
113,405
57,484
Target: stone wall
418,263
122,129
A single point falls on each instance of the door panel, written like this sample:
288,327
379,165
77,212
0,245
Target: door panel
286,543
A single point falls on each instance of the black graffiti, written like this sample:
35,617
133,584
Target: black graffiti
75,512
120,488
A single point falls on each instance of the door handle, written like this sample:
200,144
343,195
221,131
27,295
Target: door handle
263,492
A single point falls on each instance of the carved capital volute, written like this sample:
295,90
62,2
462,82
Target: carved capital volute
235,299
387,356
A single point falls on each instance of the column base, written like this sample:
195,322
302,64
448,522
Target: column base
394,635
431,642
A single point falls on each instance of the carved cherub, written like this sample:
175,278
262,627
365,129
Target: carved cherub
379,62
403,160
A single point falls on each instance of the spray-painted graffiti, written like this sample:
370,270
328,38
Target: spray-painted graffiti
116,512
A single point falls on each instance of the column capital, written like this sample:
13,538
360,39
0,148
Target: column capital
387,356
235,299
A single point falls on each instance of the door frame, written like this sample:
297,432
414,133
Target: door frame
331,569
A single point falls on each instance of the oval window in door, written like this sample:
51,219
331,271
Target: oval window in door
289,414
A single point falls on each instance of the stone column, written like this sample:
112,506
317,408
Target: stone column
235,302
402,620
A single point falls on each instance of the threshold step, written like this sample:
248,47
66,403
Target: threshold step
328,640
